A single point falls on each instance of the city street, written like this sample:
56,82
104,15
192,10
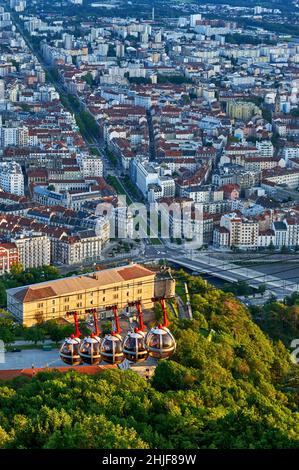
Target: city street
31,357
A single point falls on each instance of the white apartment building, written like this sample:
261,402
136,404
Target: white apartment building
79,248
34,250
2,90
143,100
221,237
288,177
12,178
266,238
290,151
102,229
151,184
91,166
243,232
201,194
168,186
265,148
14,135
194,19
180,219
122,223
292,226
263,163
146,174
154,192
281,237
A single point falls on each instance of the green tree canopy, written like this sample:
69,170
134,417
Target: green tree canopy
228,385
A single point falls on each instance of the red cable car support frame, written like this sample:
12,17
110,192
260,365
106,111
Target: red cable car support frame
97,331
162,301
141,325
76,320
117,330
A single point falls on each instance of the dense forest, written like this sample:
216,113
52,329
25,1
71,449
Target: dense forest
227,386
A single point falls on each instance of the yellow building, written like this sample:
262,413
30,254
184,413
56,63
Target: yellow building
53,299
243,110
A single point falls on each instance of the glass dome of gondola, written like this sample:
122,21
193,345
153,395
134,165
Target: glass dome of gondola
133,346
69,351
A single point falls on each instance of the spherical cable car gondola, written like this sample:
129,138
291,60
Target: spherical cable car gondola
133,345
111,347
159,341
69,351
90,347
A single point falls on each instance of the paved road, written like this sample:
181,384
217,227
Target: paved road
283,271
39,358
234,273
273,277
26,358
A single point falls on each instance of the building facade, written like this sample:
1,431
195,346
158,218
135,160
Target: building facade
34,250
49,300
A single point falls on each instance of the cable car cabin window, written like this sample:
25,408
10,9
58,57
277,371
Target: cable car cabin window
140,343
130,344
154,341
86,348
66,348
118,347
167,341
107,346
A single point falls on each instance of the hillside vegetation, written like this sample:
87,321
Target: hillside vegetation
227,386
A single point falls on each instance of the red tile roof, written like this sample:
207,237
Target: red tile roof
90,370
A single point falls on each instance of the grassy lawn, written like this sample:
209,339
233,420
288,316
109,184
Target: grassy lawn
112,158
175,307
155,241
31,346
94,151
113,181
180,289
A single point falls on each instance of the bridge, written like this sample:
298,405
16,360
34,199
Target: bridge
233,273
